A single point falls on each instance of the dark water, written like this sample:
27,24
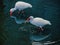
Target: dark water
47,9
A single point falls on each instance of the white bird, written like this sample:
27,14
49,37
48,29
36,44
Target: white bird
20,5
39,22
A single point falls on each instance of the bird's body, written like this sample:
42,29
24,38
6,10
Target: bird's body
20,5
39,22
18,21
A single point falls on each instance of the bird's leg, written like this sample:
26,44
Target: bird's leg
41,28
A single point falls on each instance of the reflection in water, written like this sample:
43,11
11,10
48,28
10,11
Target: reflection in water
39,38
18,21
45,42
34,35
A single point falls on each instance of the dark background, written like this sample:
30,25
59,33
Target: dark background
47,9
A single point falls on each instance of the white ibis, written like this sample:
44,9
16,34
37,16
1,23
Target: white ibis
20,5
39,22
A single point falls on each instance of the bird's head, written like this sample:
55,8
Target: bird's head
29,18
11,11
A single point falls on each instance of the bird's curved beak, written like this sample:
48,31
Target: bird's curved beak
10,13
27,20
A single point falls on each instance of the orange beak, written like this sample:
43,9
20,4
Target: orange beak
10,13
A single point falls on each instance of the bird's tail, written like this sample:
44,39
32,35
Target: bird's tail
49,23
29,5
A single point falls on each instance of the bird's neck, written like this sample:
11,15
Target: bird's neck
14,9
31,20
